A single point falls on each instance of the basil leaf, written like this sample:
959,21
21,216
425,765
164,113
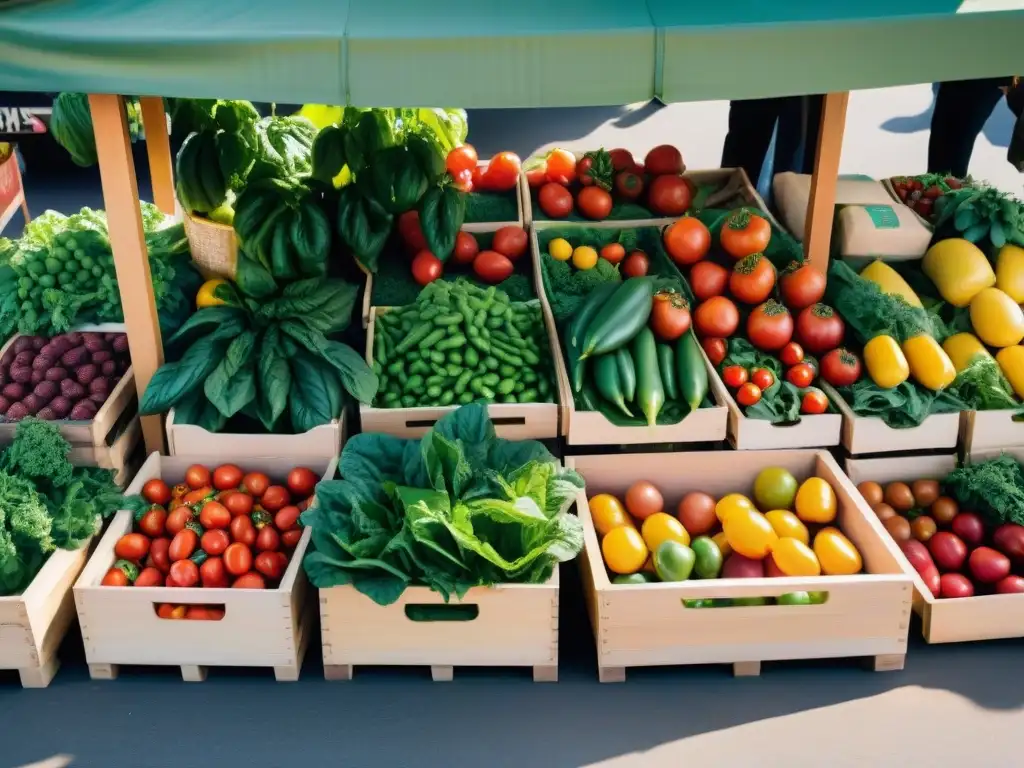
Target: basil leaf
327,309
204,320
275,379
363,225
356,376
316,394
232,385
252,278
174,381
197,410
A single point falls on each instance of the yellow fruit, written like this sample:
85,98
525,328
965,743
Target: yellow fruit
929,365
1010,272
890,281
749,533
732,502
607,513
816,501
962,348
836,553
660,527
560,249
885,362
584,257
225,214
959,270
795,558
997,319
1011,363
723,543
206,296
788,525
624,550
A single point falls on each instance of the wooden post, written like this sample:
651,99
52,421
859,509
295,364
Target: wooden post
131,260
158,148
822,203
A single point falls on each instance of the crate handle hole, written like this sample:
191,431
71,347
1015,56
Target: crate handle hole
790,598
1017,417
509,421
179,611
426,613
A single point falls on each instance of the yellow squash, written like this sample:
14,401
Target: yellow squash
1011,362
929,364
207,296
959,270
885,362
889,281
997,319
1010,272
962,348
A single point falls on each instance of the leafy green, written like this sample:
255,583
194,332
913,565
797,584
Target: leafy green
982,385
868,312
994,489
456,509
903,406
780,403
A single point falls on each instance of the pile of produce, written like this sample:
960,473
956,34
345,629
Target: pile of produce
922,192
963,534
492,265
45,502
225,528
456,509
458,343
66,377
60,273
786,529
983,215
267,359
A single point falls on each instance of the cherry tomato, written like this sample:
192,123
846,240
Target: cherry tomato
243,531
238,503
255,483
735,376
301,481
132,546
510,241
594,203
268,539
411,232
555,201
178,612
286,518
670,195
291,538
164,610
800,375
194,497
150,577
183,545
537,175
664,159
153,522
492,267
466,248
177,519
237,558
613,253
748,394
155,491
305,503
561,167
197,476
271,564
629,185
212,573
502,172
275,497
814,401
762,377
819,328
158,555
251,580
791,354
214,515
460,159
214,542
840,367
622,159
203,613
670,316
583,168
636,264
185,573
426,268
115,577
715,348
227,476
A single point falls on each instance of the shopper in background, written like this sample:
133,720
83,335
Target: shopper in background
752,123
1015,101
961,109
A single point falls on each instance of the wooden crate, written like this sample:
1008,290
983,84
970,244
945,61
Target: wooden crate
33,624
260,628
861,435
116,456
990,430
513,421
984,617
513,625
94,432
649,625
323,442
523,203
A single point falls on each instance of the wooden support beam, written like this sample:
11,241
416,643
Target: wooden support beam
158,148
822,203
128,242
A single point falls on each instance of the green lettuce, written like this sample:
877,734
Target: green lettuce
456,509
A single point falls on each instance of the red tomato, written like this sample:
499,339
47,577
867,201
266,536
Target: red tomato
237,559
132,546
275,497
177,612
629,185
492,267
290,539
466,248
801,286
622,159
814,401
708,279
762,377
251,580
194,497
594,203
664,159
1009,585
636,264
687,241
153,522
185,573
735,376
164,610
114,578
791,354
770,326
561,167
752,279
510,241
410,231
670,316
800,375
840,367
227,476
214,515
255,483
670,195
744,233
155,491
716,317
158,555
271,564
301,482
536,176
461,159
286,518
988,566
197,476
183,545
748,394
476,178
714,348
819,328
953,585
243,531
203,613
177,519
555,200
613,253
212,573
238,503
215,542
502,172
268,539
426,268
150,577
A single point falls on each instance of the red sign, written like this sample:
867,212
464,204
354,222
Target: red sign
12,194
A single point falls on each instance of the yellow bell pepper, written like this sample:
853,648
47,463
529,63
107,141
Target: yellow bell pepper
885,362
962,348
959,270
1010,272
206,297
929,364
889,281
997,319
1011,363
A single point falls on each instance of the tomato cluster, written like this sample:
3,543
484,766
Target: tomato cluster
920,193
501,174
218,529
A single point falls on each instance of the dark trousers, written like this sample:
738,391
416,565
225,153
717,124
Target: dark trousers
751,123
961,109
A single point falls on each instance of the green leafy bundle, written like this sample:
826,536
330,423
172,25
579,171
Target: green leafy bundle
456,509
983,215
994,489
269,359
868,312
779,403
71,125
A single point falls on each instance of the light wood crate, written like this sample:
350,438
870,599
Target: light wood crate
990,431
512,421
322,442
516,625
85,433
116,457
965,619
862,435
260,628
33,624
648,625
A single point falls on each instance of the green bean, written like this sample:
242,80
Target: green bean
463,381
506,386
471,358
452,342
465,398
432,338
447,320
414,338
447,397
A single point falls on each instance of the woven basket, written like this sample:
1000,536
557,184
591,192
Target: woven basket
214,246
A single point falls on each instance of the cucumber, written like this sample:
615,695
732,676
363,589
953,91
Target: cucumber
620,319
650,394
667,366
577,326
608,382
627,373
691,373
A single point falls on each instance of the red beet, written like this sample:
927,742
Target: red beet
17,412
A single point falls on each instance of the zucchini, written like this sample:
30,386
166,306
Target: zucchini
620,319
650,393
691,373
667,366
627,373
606,378
577,326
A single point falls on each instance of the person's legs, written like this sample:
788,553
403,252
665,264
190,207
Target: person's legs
961,109
751,124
